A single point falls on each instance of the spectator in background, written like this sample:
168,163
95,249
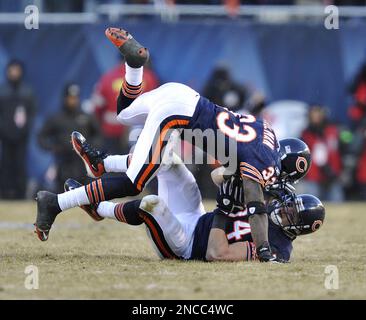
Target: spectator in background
104,104
17,109
55,136
357,111
357,115
322,137
222,90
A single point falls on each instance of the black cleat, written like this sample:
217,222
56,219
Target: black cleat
135,54
47,210
92,158
90,209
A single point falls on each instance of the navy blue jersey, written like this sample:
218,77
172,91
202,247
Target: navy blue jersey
238,230
257,149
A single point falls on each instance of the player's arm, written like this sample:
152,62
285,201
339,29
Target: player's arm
219,249
258,220
220,174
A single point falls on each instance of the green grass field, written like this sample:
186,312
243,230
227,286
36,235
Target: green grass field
110,260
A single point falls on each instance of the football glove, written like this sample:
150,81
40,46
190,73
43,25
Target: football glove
230,196
264,253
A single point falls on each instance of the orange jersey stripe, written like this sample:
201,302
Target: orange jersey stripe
243,170
251,177
246,164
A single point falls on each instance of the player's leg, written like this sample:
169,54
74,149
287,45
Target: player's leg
97,162
167,234
136,56
175,105
123,212
49,205
178,188
172,114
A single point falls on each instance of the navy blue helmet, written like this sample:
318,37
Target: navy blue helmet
295,159
297,214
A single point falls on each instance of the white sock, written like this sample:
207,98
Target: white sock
134,75
72,198
116,163
106,209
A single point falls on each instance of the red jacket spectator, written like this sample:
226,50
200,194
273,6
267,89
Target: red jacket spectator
357,112
361,168
323,141
325,152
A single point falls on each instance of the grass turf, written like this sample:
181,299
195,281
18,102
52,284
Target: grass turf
109,260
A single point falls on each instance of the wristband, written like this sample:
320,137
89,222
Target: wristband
256,207
219,221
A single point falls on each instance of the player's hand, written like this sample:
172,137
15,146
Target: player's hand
230,196
264,253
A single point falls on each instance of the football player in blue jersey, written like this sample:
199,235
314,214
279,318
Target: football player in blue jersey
180,229
251,145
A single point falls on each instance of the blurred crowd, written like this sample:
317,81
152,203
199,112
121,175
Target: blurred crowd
90,5
82,5
337,173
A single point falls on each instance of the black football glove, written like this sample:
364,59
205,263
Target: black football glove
264,253
230,196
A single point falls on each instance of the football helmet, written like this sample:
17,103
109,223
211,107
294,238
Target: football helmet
297,214
295,159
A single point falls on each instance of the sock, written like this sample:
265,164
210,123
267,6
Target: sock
123,212
129,212
98,191
72,198
116,163
134,75
110,188
131,87
106,209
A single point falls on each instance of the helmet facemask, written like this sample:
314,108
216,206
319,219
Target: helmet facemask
286,214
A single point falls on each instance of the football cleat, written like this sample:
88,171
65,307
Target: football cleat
90,209
47,210
135,54
92,158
